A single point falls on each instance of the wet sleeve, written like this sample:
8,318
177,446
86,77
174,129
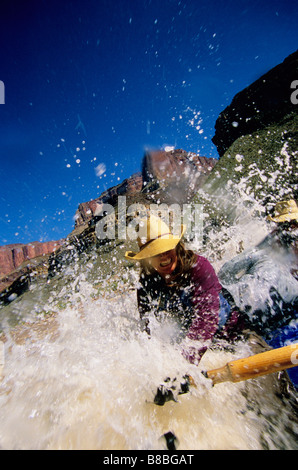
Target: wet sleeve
143,301
144,307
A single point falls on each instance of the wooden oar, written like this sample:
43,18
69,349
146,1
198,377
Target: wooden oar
247,368
250,367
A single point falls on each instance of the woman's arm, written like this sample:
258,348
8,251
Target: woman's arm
205,301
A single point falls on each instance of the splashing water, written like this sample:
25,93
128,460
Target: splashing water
84,377
79,374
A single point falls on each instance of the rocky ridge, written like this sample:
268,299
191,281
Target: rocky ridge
19,262
12,256
165,177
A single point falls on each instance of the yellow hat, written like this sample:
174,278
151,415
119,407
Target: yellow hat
156,240
285,211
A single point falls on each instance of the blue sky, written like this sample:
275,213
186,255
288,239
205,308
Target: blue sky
96,82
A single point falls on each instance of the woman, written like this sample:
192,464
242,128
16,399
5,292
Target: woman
178,283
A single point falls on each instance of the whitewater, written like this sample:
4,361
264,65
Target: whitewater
79,374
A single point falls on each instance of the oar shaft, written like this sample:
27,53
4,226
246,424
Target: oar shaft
264,363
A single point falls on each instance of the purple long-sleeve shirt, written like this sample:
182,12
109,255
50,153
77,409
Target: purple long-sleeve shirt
205,300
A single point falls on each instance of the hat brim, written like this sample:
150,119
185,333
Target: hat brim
156,247
284,218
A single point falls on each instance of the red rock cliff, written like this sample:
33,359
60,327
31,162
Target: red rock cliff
172,166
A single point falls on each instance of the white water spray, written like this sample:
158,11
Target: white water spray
85,377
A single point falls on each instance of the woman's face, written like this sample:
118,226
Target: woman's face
165,263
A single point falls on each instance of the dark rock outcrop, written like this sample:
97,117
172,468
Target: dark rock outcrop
261,104
261,166
257,140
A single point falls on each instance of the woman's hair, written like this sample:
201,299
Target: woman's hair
185,260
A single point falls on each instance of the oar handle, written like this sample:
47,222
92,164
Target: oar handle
264,363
